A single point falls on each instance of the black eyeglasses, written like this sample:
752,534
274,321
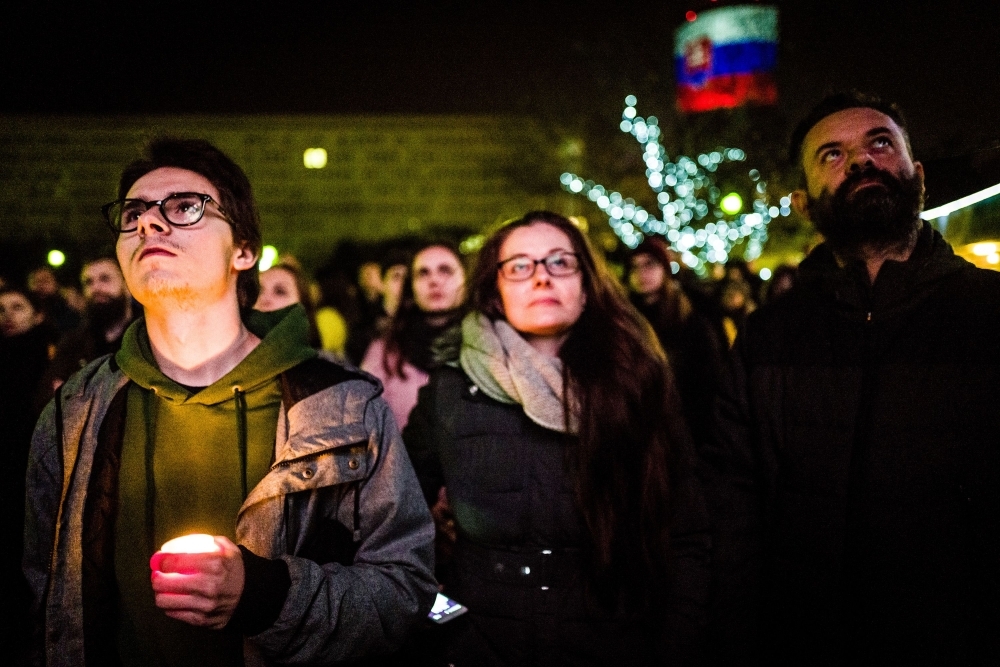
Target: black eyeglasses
522,267
181,209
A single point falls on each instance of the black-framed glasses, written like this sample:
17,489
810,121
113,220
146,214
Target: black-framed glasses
522,267
181,209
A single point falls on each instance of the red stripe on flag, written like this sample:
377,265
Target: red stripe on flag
728,91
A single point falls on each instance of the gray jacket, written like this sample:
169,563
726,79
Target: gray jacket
339,462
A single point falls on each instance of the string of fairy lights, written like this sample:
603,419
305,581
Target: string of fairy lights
698,220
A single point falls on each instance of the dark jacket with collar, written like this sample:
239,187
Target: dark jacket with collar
855,474
340,508
521,561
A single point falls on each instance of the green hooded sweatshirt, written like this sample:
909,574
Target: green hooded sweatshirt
189,458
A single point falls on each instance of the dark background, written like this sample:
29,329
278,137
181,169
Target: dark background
939,60
567,66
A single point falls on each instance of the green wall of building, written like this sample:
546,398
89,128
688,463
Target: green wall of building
386,176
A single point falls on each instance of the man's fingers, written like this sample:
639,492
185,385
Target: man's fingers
196,618
192,603
187,563
186,584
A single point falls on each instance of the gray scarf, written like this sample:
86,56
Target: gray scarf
507,369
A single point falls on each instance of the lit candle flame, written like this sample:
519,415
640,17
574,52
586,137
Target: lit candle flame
198,543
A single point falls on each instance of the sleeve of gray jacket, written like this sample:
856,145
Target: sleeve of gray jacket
335,612
44,483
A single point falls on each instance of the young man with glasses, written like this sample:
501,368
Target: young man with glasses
213,418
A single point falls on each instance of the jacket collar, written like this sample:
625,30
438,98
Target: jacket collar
897,285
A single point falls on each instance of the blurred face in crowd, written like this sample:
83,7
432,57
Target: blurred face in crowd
43,282
862,186
438,280
392,283
646,275
393,280
180,266
17,315
542,306
103,282
370,280
277,290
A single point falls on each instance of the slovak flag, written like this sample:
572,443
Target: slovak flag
726,57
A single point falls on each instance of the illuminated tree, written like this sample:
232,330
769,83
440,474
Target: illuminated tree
698,220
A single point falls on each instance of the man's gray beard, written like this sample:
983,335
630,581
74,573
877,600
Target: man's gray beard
875,218
105,314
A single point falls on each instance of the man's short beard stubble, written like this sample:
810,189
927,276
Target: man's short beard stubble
873,219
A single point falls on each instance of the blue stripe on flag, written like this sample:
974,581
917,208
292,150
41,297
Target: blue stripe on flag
735,58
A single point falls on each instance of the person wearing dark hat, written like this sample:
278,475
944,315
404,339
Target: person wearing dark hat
855,477
688,337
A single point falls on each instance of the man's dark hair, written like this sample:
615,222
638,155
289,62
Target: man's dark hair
203,158
94,259
830,105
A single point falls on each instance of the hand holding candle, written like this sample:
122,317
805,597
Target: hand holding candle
198,579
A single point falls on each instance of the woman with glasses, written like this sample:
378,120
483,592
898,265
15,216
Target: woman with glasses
582,534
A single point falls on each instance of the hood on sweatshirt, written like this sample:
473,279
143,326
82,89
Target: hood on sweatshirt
284,343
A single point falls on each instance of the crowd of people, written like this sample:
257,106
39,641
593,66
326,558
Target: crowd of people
600,465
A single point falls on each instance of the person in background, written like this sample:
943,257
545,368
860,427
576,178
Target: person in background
376,315
25,340
736,302
283,285
693,348
44,287
582,533
370,282
782,281
397,267
108,311
430,306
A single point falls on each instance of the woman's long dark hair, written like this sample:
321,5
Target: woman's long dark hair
407,339
629,414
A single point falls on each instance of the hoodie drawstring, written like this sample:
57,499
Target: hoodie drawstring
149,410
241,435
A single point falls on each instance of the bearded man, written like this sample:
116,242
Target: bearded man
108,313
855,468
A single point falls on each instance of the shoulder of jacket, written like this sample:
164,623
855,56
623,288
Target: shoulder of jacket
101,377
449,377
321,374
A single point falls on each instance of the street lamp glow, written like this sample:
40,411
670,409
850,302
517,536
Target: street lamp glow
268,256
731,204
314,158
56,258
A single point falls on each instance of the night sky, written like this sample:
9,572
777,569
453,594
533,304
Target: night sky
940,62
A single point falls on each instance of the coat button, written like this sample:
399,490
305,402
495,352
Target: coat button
525,570
307,473
473,390
353,464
